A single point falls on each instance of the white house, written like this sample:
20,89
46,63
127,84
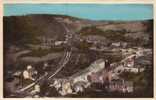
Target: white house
57,43
116,44
94,67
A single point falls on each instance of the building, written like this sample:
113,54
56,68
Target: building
120,85
119,44
116,44
94,39
134,69
58,43
93,68
129,64
102,76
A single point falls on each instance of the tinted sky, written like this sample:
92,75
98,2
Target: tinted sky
87,11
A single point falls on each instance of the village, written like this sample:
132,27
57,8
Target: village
73,57
101,74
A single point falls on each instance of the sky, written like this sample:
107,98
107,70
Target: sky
86,11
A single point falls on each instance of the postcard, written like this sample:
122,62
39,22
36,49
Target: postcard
78,50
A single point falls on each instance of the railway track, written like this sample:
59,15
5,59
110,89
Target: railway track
65,59
62,64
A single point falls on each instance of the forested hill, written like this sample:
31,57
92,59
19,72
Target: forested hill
24,29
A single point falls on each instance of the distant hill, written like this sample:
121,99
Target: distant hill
21,30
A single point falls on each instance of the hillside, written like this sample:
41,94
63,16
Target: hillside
75,44
26,28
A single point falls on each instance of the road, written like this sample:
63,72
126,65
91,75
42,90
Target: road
65,59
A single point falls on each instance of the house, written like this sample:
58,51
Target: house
119,44
46,42
120,85
93,68
97,73
119,69
116,44
96,39
124,44
134,70
57,43
129,64
129,61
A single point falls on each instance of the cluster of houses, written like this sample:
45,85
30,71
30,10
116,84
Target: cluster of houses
101,72
47,43
98,42
129,64
97,72
110,82
121,86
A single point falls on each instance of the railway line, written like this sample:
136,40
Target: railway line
65,59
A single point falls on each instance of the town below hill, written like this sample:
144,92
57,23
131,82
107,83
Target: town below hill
64,56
